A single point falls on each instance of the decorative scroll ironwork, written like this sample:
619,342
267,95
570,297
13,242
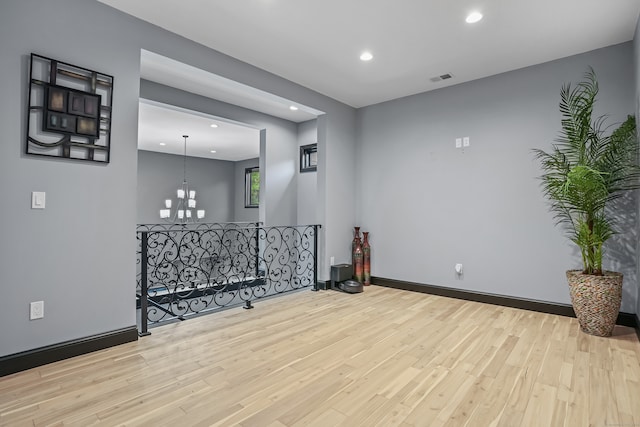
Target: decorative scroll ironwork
185,269
68,111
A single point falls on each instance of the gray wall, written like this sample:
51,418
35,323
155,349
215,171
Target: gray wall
429,205
242,214
160,175
336,192
307,181
636,68
81,246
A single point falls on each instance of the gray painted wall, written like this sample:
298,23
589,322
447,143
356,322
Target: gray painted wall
636,68
160,175
242,214
307,181
80,247
336,188
429,205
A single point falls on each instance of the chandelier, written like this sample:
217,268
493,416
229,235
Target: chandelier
186,203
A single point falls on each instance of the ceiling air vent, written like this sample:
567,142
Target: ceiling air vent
441,77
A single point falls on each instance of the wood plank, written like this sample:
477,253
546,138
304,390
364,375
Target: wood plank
540,407
385,357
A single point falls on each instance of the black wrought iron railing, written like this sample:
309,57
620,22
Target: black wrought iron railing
187,269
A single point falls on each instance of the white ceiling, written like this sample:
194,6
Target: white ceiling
317,43
163,124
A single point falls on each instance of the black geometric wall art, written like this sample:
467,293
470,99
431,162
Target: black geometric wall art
69,111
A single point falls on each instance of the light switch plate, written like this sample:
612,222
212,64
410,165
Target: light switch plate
38,199
458,142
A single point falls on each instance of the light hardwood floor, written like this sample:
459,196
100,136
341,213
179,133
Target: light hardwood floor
382,358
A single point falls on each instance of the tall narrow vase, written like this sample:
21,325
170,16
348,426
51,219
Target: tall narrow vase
358,270
366,257
356,236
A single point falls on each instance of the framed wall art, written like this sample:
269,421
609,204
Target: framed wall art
69,111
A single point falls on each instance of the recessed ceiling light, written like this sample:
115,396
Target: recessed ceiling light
293,108
163,144
213,151
214,125
473,17
366,56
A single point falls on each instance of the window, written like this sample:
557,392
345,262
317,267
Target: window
309,158
251,187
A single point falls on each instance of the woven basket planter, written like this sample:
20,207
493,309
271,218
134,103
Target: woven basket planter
596,300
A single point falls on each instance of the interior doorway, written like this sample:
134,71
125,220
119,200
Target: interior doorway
212,159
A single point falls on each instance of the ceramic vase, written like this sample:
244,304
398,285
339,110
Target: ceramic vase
366,259
358,262
356,236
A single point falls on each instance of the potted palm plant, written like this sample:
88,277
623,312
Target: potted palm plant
587,168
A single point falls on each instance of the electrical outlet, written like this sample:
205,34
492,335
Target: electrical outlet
465,141
332,260
36,310
458,142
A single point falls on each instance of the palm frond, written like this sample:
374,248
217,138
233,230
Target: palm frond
589,166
